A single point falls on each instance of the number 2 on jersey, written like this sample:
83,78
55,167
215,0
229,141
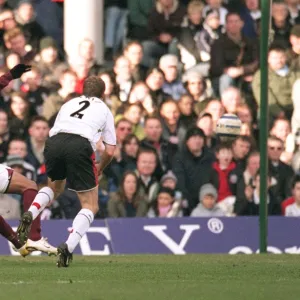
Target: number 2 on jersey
78,113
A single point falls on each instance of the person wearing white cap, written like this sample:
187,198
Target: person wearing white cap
168,63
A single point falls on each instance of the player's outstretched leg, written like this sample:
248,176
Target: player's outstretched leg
7,232
30,225
81,224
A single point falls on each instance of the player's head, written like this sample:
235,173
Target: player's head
93,86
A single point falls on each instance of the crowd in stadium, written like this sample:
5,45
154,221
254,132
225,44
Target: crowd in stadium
172,69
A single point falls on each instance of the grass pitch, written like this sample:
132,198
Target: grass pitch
199,277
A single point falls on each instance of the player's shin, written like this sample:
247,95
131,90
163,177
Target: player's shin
9,234
81,224
42,199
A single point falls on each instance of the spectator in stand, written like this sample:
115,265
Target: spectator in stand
25,17
291,206
38,134
86,54
173,86
234,57
165,205
130,150
138,15
4,135
241,148
81,68
140,93
123,77
249,206
223,176
55,100
153,139
281,172
48,63
18,147
133,113
231,98
281,80
205,122
251,16
173,131
15,41
110,94
155,80
164,24
134,53
207,206
281,24
293,53
192,166
197,87
216,109
128,201
35,92
282,130
245,181
146,165
7,22
191,51
20,115
216,5
212,30
188,117
294,11
116,19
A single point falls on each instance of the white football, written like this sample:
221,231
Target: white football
228,126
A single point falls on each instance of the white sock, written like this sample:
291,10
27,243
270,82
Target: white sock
81,224
41,200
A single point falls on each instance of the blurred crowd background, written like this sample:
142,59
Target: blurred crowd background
172,69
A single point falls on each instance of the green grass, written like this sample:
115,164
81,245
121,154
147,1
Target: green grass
199,277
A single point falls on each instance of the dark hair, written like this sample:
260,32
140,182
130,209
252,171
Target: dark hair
295,180
243,138
147,150
166,190
121,190
38,119
224,145
252,154
277,48
156,70
152,117
233,13
131,43
128,139
93,86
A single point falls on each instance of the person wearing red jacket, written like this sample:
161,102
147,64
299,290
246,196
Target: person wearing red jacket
14,183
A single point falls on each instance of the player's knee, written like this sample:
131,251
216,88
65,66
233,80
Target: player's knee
30,185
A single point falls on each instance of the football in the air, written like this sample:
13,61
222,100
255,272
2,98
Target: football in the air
228,127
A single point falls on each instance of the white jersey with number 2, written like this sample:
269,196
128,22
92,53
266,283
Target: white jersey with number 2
88,117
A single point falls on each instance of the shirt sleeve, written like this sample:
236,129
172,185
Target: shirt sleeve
4,80
109,132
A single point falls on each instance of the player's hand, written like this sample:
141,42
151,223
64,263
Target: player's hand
249,192
19,70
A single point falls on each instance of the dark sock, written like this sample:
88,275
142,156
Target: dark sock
28,197
9,234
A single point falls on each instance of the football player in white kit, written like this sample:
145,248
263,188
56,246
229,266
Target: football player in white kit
70,154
